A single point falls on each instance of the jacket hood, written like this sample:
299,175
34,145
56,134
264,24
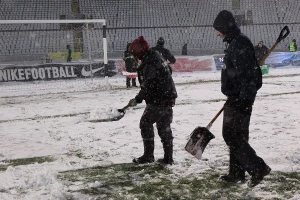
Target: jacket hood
225,23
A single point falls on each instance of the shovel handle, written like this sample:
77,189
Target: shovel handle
127,106
281,37
214,119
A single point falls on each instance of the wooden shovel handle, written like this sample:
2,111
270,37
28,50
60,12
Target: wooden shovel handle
214,119
126,107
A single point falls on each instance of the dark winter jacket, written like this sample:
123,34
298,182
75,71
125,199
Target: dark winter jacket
241,77
157,86
130,62
260,52
165,53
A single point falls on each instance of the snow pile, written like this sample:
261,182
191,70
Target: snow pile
104,113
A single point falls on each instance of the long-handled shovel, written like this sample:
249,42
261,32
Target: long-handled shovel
201,136
280,37
121,113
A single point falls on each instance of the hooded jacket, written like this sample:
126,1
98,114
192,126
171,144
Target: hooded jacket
241,76
165,53
157,86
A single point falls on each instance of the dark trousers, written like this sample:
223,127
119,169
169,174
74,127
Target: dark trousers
236,135
163,117
128,81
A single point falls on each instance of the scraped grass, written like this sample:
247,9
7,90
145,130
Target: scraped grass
153,181
25,161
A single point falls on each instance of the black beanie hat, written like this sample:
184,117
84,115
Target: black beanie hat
225,22
161,41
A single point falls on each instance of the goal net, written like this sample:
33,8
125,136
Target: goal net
39,50
52,52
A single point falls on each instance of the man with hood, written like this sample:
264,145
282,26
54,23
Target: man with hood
166,54
241,78
159,92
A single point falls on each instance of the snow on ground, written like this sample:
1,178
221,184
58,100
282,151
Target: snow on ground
49,119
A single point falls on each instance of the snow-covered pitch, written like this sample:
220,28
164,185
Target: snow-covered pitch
49,119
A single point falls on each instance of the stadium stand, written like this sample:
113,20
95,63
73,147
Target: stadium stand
178,21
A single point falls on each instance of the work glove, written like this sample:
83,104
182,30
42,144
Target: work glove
132,102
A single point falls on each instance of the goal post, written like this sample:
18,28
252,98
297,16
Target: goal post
39,39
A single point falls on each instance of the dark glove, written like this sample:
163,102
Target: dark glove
138,99
132,102
172,102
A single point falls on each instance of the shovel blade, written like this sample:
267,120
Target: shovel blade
198,141
121,111
117,118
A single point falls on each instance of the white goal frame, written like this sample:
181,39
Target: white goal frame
79,21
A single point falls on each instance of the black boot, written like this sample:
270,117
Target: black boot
236,171
168,156
127,82
257,177
134,83
232,179
148,153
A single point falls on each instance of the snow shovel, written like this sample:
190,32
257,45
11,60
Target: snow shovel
280,37
120,114
200,137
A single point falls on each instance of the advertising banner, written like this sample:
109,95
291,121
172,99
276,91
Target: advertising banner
182,64
53,71
275,59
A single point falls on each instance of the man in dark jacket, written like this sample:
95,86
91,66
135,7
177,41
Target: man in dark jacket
159,92
260,51
130,65
240,80
166,54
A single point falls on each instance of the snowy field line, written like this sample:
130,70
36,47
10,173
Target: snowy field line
74,143
74,114
60,87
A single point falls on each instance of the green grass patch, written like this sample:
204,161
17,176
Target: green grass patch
25,161
152,181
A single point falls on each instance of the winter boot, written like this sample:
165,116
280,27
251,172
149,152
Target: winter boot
168,156
134,83
148,153
127,82
259,176
232,179
236,171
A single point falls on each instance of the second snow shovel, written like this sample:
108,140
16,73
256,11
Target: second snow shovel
115,117
200,137
283,34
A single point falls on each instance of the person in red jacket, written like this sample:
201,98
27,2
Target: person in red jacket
159,92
